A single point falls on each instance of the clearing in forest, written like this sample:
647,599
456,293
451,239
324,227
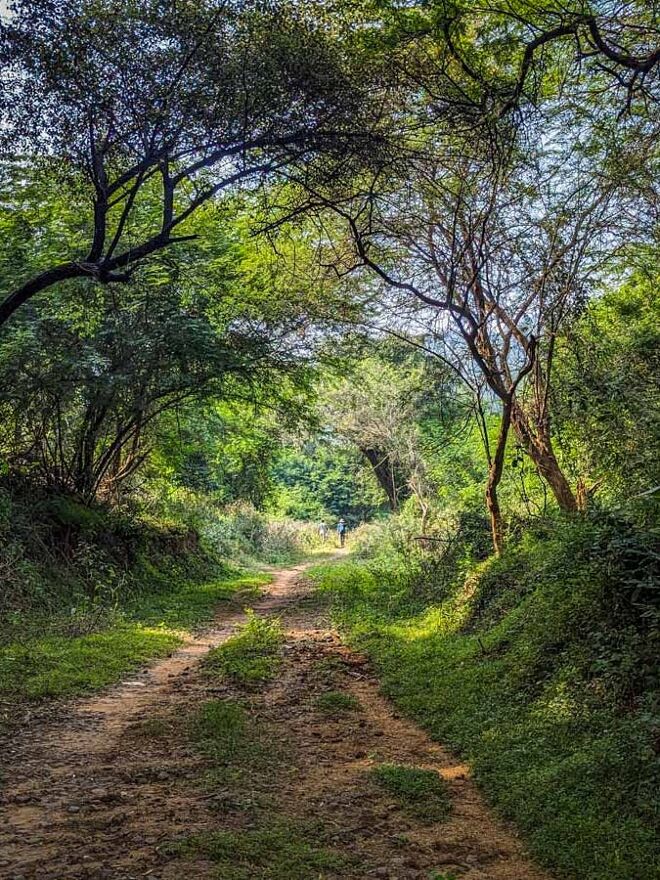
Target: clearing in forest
256,751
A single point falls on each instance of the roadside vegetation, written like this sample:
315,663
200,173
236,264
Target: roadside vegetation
539,667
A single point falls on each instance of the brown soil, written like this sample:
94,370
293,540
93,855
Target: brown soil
93,794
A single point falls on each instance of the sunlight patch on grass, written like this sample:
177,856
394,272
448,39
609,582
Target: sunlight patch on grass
63,666
193,603
44,662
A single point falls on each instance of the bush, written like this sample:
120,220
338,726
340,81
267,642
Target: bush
236,531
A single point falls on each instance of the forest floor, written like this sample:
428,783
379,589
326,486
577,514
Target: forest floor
296,770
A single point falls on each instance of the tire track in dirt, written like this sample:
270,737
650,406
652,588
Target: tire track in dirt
333,763
95,799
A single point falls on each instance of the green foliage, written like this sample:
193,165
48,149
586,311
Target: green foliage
91,387
150,425
420,792
236,531
325,479
540,668
89,594
606,392
63,666
189,603
250,657
52,657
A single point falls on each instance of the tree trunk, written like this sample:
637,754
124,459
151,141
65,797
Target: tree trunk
538,446
384,473
496,466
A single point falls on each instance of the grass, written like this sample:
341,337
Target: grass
520,670
252,656
188,605
336,703
220,730
241,759
278,851
61,666
421,793
44,662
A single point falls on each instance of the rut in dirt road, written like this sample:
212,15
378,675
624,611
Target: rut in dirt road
120,790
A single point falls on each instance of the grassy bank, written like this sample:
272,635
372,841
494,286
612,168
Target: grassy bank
538,667
52,657
89,593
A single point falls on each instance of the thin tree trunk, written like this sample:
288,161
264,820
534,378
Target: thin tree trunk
539,448
495,469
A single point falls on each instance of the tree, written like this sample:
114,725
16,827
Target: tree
320,477
378,406
502,258
123,100
486,63
89,383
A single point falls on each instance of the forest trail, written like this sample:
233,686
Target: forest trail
114,788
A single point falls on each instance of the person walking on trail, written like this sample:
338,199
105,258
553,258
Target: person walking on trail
323,531
341,532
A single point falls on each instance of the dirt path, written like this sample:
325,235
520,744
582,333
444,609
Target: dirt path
104,792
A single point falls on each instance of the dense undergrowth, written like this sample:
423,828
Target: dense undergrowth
540,668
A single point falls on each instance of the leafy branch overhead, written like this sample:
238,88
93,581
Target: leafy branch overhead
188,101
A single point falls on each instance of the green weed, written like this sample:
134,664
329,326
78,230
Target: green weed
250,657
220,729
422,793
242,760
281,851
336,703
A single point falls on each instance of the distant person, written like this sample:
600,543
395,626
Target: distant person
341,532
323,531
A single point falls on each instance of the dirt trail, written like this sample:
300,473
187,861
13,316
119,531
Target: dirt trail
94,796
